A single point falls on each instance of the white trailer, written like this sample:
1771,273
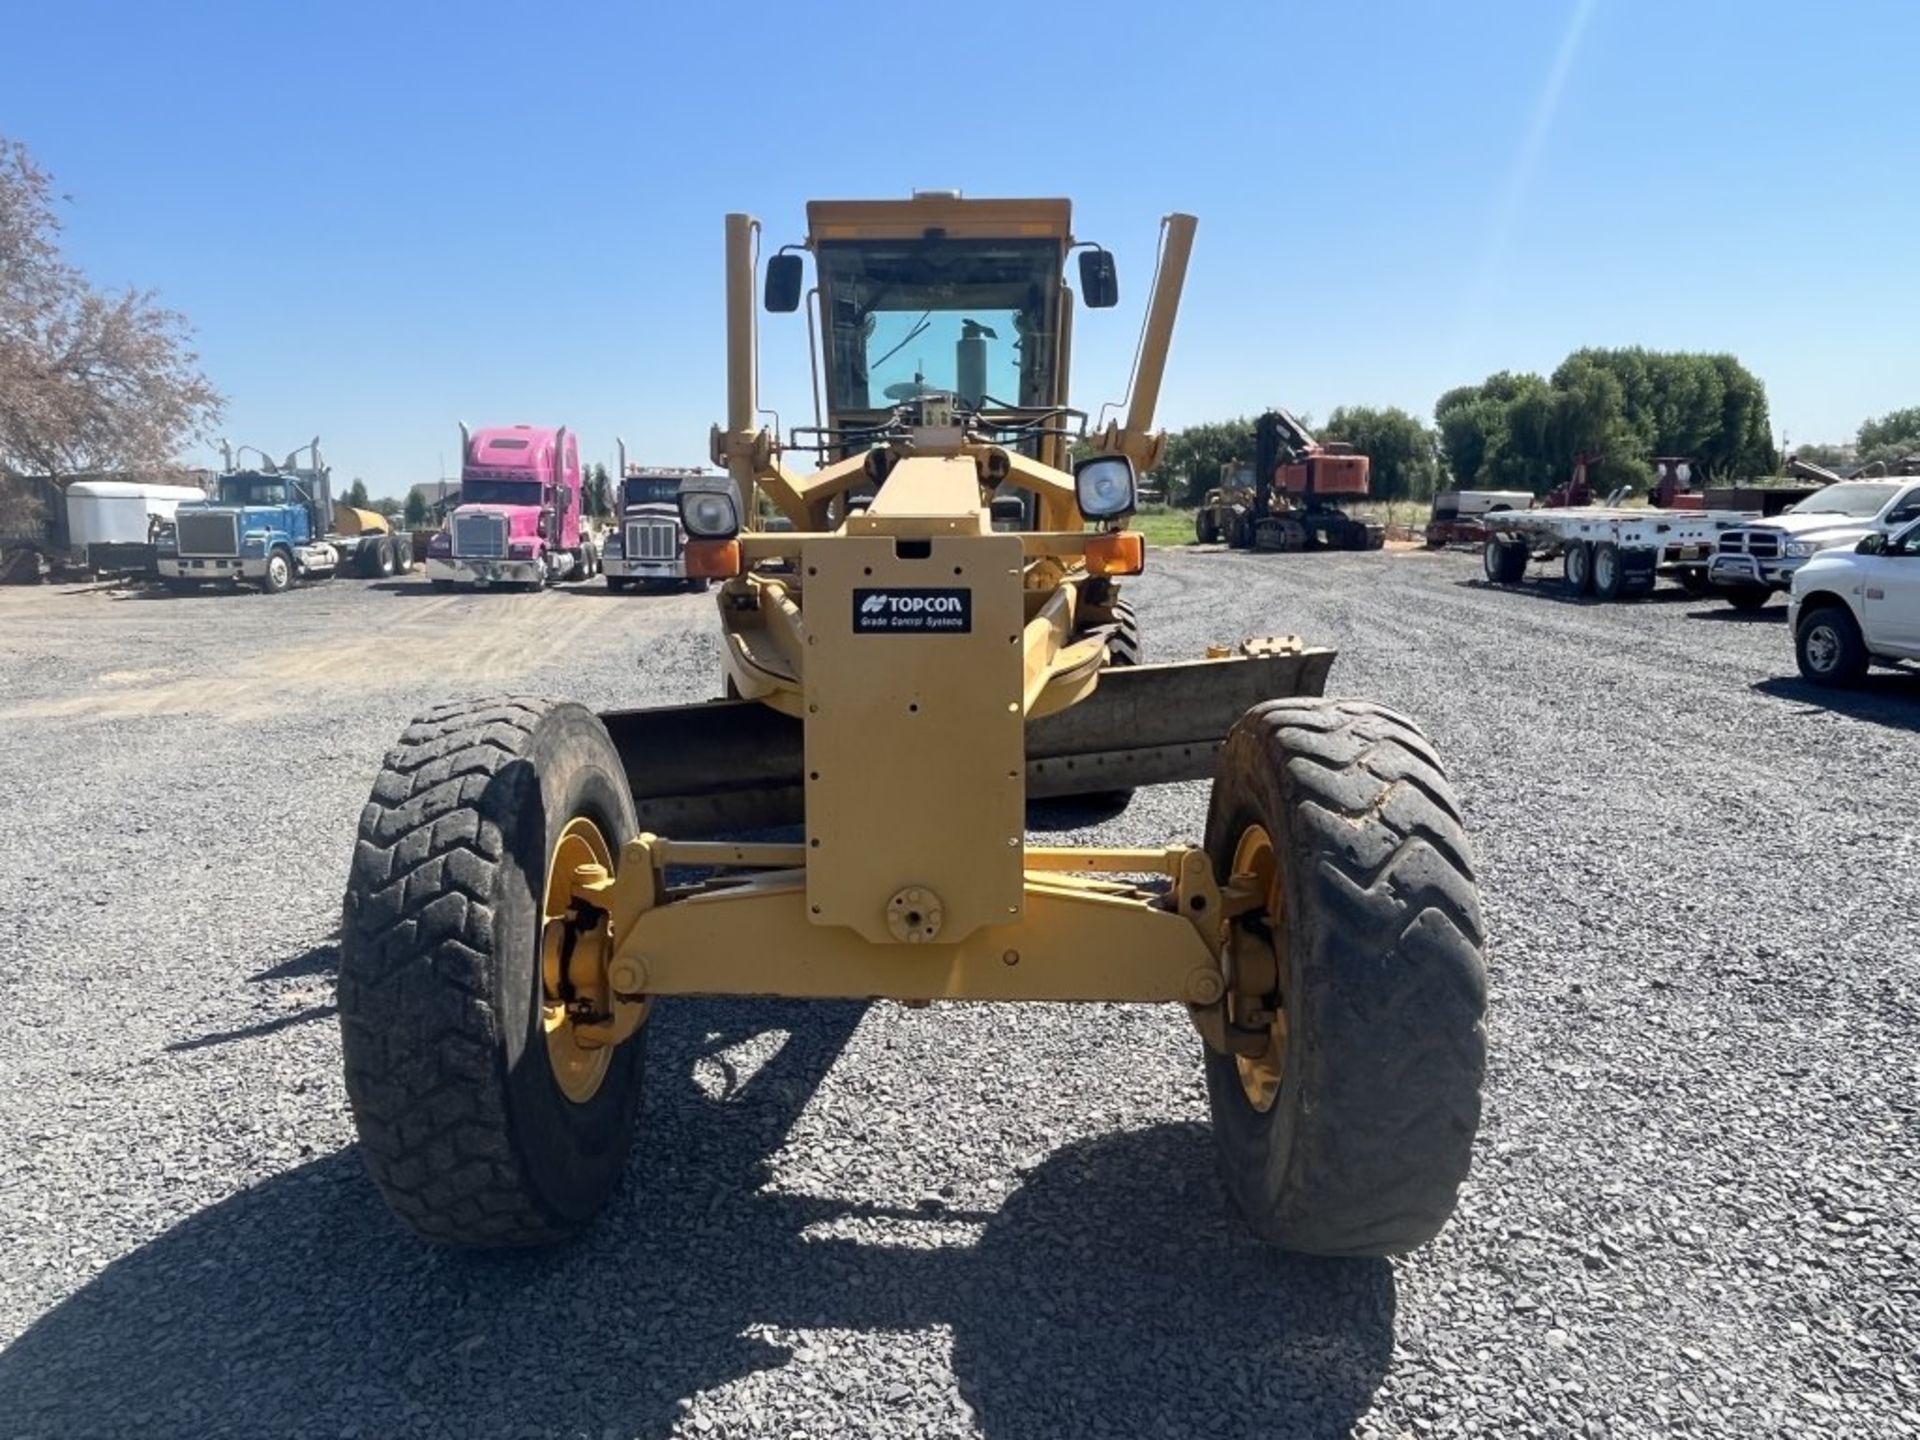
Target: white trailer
1613,554
111,523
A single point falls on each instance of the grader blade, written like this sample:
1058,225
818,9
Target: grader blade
733,765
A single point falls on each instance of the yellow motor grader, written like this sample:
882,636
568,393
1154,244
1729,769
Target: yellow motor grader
934,637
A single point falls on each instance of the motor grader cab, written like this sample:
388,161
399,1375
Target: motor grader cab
531,879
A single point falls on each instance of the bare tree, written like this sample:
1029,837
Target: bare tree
88,380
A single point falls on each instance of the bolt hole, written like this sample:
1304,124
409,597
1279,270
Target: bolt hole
814,844
867,570
1198,902
813,775
913,919
813,569
913,709
814,908
958,571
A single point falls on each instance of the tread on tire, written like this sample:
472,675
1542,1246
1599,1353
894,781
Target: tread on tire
1370,1131
462,1124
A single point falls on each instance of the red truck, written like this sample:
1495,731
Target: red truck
519,517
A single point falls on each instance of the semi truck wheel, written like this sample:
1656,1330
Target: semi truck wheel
1609,575
1352,1132
381,562
1505,561
1206,529
1576,568
1829,647
279,572
480,1119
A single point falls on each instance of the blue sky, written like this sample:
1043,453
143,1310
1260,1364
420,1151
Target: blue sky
382,219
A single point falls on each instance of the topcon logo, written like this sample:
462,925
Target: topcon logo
912,610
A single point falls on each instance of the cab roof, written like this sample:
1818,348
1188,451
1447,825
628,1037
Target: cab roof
963,219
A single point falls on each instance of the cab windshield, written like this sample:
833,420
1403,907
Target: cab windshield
252,490
651,490
1855,500
499,492
976,319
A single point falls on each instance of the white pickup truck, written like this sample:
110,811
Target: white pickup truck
1851,607
1753,561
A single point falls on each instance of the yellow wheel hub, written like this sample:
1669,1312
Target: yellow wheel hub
1260,1075
578,1069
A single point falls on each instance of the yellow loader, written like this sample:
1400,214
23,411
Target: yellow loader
935,636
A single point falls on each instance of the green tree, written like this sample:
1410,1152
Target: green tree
386,505
1893,436
1403,452
598,497
416,510
356,495
1519,432
1466,419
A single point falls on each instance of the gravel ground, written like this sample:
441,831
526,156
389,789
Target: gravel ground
1693,1204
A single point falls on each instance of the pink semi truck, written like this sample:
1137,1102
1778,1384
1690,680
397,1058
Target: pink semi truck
518,521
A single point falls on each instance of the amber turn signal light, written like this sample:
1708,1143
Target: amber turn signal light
1116,552
713,559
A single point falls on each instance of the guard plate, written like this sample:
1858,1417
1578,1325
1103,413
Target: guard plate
915,610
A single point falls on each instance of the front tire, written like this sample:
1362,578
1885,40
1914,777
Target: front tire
279,575
479,1121
1352,1133
1829,647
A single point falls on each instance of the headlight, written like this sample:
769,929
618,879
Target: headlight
613,548
1801,549
440,543
254,544
520,550
1103,486
708,508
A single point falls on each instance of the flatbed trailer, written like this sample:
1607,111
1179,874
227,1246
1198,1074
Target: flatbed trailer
1613,554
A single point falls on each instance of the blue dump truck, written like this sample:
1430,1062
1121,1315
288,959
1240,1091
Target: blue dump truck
273,524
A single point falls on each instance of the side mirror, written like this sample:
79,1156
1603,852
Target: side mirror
784,279
1099,281
1874,544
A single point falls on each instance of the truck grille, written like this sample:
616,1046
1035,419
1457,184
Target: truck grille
1761,544
203,534
653,540
480,537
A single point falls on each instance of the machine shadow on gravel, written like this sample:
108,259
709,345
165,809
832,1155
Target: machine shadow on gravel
313,963
1727,615
1548,588
1889,698
1112,1293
